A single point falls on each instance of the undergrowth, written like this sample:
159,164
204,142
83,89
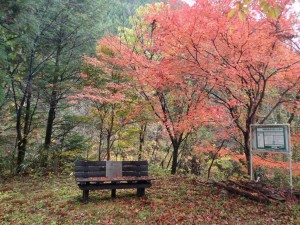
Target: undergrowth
56,199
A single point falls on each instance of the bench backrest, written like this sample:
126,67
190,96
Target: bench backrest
85,168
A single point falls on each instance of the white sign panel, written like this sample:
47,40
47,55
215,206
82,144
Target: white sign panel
270,138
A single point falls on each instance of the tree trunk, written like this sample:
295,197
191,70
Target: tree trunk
21,155
49,131
108,146
100,144
166,156
214,157
176,145
20,150
52,109
23,139
110,132
142,140
101,123
247,149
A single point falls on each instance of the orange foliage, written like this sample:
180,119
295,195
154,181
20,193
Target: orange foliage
258,161
194,64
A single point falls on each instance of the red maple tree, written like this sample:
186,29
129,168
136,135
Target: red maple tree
178,57
250,63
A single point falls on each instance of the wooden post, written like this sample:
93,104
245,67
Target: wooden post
140,192
113,193
85,195
250,153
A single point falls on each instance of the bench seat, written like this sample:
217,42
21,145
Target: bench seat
92,175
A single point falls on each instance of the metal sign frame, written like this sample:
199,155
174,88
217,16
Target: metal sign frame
271,138
274,138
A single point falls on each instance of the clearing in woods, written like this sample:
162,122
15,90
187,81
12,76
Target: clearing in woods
171,200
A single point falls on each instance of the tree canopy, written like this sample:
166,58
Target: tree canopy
167,81
190,60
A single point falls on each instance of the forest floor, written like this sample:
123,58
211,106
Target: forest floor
171,200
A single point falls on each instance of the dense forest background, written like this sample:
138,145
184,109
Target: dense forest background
41,46
47,121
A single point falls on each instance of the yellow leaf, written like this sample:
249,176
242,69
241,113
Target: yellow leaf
239,5
271,14
247,11
242,15
262,3
231,13
266,7
276,12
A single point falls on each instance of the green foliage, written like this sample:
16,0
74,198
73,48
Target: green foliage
2,93
105,50
66,138
158,171
119,12
136,23
5,163
243,7
75,142
277,177
225,167
64,161
41,43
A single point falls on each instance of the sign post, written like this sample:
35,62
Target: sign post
273,138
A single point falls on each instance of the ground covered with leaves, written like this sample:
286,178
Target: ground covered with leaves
178,199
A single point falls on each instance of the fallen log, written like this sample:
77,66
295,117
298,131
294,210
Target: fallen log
243,186
265,193
258,197
272,194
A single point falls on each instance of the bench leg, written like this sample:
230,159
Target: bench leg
85,195
140,192
113,193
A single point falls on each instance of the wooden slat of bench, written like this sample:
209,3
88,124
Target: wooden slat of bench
89,168
135,168
125,163
98,168
134,173
118,179
90,163
91,174
113,186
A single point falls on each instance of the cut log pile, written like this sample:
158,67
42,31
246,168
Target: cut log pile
257,191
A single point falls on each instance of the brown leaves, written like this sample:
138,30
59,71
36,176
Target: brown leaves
171,200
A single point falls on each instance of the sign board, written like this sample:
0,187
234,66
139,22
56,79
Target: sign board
270,138
113,169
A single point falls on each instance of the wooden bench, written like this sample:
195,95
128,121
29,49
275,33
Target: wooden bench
92,175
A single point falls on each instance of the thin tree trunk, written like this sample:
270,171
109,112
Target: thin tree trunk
23,139
100,143
52,110
170,160
247,150
110,132
49,131
291,118
142,140
166,156
214,158
108,146
175,156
